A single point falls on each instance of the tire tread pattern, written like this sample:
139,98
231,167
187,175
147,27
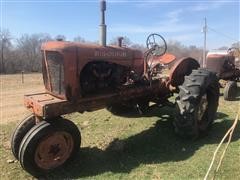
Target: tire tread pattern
34,136
194,87
20,131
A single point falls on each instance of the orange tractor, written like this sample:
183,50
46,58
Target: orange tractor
84,77
226,65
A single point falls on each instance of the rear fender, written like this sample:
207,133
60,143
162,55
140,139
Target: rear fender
165,59
181,68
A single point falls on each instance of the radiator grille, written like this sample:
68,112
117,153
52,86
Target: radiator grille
56,72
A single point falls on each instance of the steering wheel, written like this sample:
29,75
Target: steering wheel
156,44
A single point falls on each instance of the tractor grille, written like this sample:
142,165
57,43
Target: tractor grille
44,72
56,72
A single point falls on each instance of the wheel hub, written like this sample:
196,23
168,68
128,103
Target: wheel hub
54,150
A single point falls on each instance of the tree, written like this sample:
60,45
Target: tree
176,48
28,48
126,41
5,42
179,50
26,55
139,47
236,44
79,39
223,48
60,37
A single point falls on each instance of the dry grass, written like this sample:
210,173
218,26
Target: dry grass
11,95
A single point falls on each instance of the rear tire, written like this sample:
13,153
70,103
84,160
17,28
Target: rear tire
20,131
197,104
230,91
49,145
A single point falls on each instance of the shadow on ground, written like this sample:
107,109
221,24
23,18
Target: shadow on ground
155,145
131,112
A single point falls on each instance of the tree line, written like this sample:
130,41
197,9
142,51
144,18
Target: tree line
23,53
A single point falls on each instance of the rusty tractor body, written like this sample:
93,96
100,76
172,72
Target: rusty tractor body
80,78
86,77
225,64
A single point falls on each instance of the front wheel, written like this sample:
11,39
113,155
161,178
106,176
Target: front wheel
197,104
49,145
20,131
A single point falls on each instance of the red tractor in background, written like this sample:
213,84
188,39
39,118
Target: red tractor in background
86,77
227,66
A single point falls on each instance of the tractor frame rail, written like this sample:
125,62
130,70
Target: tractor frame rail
46,106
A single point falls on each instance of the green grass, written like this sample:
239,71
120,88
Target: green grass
137,147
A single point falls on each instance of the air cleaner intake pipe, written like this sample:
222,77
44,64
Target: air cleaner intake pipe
103,27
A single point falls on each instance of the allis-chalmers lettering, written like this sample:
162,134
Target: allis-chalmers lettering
110,54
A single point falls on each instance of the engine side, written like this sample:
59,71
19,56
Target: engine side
73,70
100,77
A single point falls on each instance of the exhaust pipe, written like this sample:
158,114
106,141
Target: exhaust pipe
103,27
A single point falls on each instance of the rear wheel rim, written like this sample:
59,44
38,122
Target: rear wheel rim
202,108
54,150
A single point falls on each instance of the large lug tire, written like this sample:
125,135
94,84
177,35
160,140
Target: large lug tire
230,91
196,104
49,145
20,131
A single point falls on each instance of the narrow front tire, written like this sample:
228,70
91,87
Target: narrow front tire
49,145
20,131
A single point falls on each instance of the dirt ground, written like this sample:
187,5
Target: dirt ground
12,91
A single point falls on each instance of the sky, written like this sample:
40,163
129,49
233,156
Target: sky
175,20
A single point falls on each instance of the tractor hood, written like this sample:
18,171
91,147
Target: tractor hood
93,51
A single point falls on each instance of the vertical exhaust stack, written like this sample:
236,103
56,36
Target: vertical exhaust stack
103,27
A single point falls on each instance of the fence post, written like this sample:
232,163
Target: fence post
22,77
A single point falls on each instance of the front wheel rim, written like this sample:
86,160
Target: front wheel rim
54,150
